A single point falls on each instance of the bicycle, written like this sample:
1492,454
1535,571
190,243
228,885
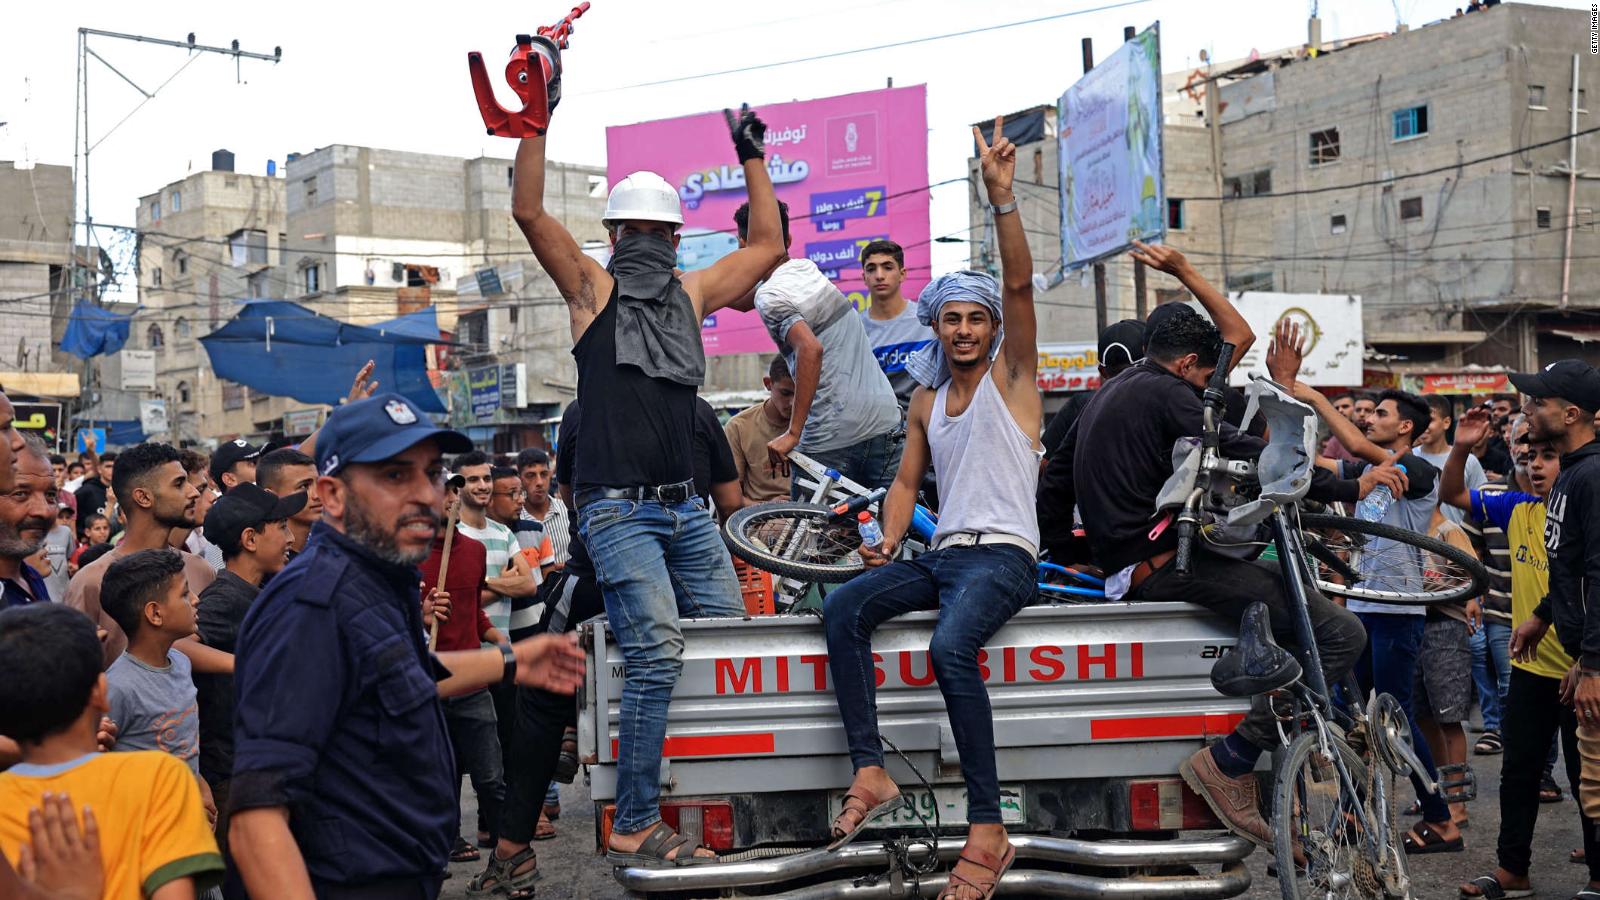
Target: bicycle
814,543
1333,817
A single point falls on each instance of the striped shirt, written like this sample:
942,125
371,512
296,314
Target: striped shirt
556,528
1494,550
498,544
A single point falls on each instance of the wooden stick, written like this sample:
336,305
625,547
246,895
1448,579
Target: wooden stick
444,569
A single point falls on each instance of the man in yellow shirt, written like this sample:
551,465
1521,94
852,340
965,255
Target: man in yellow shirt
1533,711
154,838
750,431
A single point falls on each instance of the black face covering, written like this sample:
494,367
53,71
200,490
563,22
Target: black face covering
658,329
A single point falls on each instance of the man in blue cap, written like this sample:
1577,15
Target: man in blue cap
342,765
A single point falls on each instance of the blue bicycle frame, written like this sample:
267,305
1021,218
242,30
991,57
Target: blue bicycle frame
924,521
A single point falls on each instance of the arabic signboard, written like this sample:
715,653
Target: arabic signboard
138,370
483,387
514,385
1329,323
852,169
301,422
42,420
153,416
1110,134
1474,383
1069,367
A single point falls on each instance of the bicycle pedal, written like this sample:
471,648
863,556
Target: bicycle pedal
1458,783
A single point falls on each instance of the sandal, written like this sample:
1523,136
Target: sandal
983,860
866,809
1489,744
1587,894
1549,791
544,831
499,877
1489,888
652,854
464,852
567,765
1431,841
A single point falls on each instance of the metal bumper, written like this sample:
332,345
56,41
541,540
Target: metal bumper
1224,850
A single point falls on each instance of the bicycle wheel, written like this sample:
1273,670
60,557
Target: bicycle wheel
1316,810
1380,563
804,541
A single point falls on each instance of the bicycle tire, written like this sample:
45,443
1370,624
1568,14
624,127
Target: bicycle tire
1452,575
1335,863
746,535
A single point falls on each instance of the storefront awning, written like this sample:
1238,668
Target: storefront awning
40,384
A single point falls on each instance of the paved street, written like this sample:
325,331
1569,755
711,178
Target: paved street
574,872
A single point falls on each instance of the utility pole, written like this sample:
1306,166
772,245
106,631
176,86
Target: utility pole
1141,303
1099,267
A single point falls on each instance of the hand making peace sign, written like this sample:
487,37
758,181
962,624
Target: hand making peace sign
998,161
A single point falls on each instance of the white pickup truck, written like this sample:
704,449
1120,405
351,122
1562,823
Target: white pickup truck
1094,707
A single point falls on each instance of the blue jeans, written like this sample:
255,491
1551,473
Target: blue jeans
655,563
1389,666
872,463
1491,669
975,589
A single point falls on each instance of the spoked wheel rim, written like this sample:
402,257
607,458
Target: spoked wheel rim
1384,564
796,540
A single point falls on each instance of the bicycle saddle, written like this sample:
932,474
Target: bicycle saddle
1257,664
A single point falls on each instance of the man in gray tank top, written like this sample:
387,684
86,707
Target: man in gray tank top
976,417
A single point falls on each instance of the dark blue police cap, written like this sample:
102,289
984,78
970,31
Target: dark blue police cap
376,429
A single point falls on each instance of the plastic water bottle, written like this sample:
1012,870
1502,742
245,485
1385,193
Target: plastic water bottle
1373,506
871,533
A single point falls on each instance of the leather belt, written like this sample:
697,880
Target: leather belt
1147,568
661,493
973,539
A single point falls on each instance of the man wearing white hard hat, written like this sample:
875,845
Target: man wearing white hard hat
658,555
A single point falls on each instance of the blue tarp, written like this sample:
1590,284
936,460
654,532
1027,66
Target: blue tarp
286,349
94,331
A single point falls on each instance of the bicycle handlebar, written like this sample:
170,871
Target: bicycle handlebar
1214,402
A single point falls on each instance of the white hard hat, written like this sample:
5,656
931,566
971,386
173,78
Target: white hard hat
646,196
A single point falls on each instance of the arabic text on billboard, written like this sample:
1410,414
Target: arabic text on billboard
483,386
1330,324
1069,367
1110,134
851,168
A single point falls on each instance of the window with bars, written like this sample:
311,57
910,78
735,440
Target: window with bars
1324,146
1410,122
1410,209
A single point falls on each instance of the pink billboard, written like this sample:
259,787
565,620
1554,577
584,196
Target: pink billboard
852,169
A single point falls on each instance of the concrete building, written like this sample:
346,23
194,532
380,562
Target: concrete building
1426,171
35,236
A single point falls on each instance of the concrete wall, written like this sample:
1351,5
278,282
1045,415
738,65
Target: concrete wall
35,233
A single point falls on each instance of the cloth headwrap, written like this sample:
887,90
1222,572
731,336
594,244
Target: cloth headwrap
657,328
928,365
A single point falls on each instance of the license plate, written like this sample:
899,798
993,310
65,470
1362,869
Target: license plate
949,800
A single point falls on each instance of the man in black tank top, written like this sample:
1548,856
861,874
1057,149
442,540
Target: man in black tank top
657,553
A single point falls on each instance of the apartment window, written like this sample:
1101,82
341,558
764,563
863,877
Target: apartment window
1536,96
259,284
1585,219
1248,185
1410,209
1541,217
1250,281
155,277
181,327
1336,223
1410,122
177,201
313,275
249,247
1324,146
511,314
181,260
232,395
154,339
310,185
155,210
1175,214
183,392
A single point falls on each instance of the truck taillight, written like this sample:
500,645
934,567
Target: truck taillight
1167,804
707,822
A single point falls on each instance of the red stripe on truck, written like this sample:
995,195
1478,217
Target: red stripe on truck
715,745
1204,725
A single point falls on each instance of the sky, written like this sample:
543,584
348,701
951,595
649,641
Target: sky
394,74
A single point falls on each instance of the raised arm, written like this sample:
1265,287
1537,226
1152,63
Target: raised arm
1343,429
807,375
583,283
1019,352
1470,429
1235,330
730,279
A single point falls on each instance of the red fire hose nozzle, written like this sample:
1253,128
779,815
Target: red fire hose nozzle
534,73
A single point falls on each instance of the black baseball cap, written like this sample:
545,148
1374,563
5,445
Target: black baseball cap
379,428
1122,343
248,505
1572,380
227,454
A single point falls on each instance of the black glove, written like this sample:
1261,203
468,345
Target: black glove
749,133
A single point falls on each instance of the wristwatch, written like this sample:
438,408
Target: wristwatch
1004,208
509,678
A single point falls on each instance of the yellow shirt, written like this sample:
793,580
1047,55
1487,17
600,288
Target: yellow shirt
1530,581
153,828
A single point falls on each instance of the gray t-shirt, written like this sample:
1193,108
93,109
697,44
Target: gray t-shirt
854,401
1388,565
892,341
1473,476
154,708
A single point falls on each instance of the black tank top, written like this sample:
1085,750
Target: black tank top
637,431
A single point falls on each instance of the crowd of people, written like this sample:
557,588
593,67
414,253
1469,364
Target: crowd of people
265,672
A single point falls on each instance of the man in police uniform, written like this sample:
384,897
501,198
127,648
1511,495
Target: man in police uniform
342,768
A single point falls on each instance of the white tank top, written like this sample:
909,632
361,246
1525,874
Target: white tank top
987,466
